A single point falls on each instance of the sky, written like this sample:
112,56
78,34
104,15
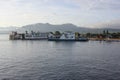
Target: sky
88,13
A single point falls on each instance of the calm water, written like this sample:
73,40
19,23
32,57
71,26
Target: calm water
44,60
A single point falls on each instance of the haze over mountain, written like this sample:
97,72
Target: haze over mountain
6,30
114,24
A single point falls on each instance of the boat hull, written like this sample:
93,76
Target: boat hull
35,39
68,39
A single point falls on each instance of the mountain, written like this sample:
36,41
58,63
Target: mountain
46,27
49,27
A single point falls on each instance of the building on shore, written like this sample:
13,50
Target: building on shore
15,36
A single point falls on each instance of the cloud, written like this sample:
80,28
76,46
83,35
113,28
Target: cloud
98,4
80,12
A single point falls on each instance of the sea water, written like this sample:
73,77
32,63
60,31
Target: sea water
49,60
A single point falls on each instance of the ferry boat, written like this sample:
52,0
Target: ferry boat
66,36
28,36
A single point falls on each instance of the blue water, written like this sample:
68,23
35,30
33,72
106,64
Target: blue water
47,60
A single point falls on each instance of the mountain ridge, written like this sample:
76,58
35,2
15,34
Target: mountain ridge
47,27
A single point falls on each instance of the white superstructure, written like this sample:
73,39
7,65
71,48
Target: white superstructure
36,35
68,35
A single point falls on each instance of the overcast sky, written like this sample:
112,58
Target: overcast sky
79,12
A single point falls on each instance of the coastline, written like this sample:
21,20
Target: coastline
104,39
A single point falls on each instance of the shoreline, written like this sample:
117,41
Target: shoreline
104,39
